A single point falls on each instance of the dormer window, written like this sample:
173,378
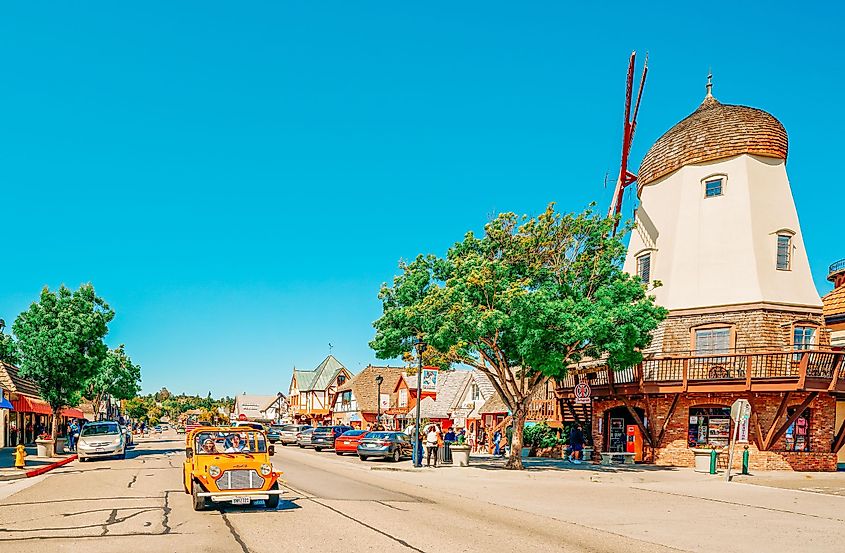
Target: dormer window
713,187
644,267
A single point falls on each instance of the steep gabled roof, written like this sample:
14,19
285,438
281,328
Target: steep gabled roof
12,381
485,388
321,377
365,388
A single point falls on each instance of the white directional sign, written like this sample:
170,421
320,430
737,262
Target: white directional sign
582,393
741,414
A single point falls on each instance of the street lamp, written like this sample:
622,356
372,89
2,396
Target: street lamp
421,347
379,380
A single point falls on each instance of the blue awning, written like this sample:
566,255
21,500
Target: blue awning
4,403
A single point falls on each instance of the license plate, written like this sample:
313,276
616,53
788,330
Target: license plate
346,443
100,450
240,501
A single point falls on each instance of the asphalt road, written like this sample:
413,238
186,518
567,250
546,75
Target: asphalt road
334,504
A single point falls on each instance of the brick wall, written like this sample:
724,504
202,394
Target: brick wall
754,328
674,451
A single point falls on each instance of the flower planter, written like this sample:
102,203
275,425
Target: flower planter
44,448
60,446
460,455
554,452
526,452
702,459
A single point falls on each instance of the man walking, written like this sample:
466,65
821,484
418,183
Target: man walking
431,442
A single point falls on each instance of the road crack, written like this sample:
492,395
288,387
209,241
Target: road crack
234,533
365,525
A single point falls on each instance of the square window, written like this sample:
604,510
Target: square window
644,267
713,188
804,337
784,252
713,340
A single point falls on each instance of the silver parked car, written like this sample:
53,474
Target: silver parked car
303,438
101,439
288,432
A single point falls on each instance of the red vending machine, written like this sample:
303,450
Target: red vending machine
634,442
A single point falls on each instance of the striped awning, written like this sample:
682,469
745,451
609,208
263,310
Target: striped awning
26,404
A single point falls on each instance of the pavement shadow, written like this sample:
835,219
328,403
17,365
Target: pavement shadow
284,505
540,464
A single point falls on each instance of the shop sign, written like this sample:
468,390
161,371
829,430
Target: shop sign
582,393
384,401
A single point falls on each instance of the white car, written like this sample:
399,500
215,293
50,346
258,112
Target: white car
101,439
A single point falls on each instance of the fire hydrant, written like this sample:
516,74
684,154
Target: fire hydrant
19,454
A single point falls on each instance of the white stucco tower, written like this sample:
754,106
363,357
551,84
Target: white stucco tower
717,226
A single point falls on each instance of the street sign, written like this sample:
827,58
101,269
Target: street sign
740,413
582,393
429,379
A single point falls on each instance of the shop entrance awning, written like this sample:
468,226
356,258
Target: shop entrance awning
26,404
73,412
4,403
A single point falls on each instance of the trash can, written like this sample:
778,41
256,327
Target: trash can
444,454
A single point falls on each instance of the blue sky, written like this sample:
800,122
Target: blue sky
237,180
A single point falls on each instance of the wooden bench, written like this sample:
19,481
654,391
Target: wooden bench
610,457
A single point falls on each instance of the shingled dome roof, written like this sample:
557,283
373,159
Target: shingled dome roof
714,131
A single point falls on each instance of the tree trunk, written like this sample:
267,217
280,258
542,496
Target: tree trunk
55,426
515,454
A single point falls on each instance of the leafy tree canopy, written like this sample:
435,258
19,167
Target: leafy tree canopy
60,338
9,350
527,300
117,377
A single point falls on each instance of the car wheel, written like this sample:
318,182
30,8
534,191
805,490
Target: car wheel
338,453
301,446
82,459
199,502
318,449
362,457
397,456
272,502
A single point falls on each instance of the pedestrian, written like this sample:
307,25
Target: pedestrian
576,444
73,432
497,439
432,439
450,437
462,436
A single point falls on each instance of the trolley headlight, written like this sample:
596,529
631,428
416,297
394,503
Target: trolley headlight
213,471
266,469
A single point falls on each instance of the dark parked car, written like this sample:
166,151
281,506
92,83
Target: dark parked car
323,437
387,445
273,434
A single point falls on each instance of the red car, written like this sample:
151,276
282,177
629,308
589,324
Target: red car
348,441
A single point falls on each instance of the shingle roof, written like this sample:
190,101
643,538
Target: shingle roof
449,384
321,377
714,131
12,381
365,388
494,405
834,303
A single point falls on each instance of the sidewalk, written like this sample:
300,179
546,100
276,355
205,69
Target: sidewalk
7,462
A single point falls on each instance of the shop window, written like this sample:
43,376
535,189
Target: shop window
341,379
403,397
644,267
709,426
797,436
713,340
713,188
784,261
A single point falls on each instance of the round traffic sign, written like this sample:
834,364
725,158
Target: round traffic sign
582,392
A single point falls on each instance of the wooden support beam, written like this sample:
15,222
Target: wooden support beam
758,431
839,439
792,418
778,415
667,419
649,412
638,420
837,361
802,369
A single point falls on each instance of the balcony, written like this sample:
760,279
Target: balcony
757,371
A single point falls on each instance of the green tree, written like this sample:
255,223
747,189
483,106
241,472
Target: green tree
116,377
137,407
9,349
60,338
527,300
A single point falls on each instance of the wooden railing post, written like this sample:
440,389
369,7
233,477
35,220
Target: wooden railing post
748,369
686,374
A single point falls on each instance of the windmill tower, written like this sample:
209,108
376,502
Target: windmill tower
718,228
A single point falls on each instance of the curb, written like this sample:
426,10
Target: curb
37,472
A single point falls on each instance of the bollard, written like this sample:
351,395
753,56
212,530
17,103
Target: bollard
713,456
745,461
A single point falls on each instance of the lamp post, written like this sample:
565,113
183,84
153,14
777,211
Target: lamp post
421,347
379,380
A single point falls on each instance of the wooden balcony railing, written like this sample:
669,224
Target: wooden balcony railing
793,368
